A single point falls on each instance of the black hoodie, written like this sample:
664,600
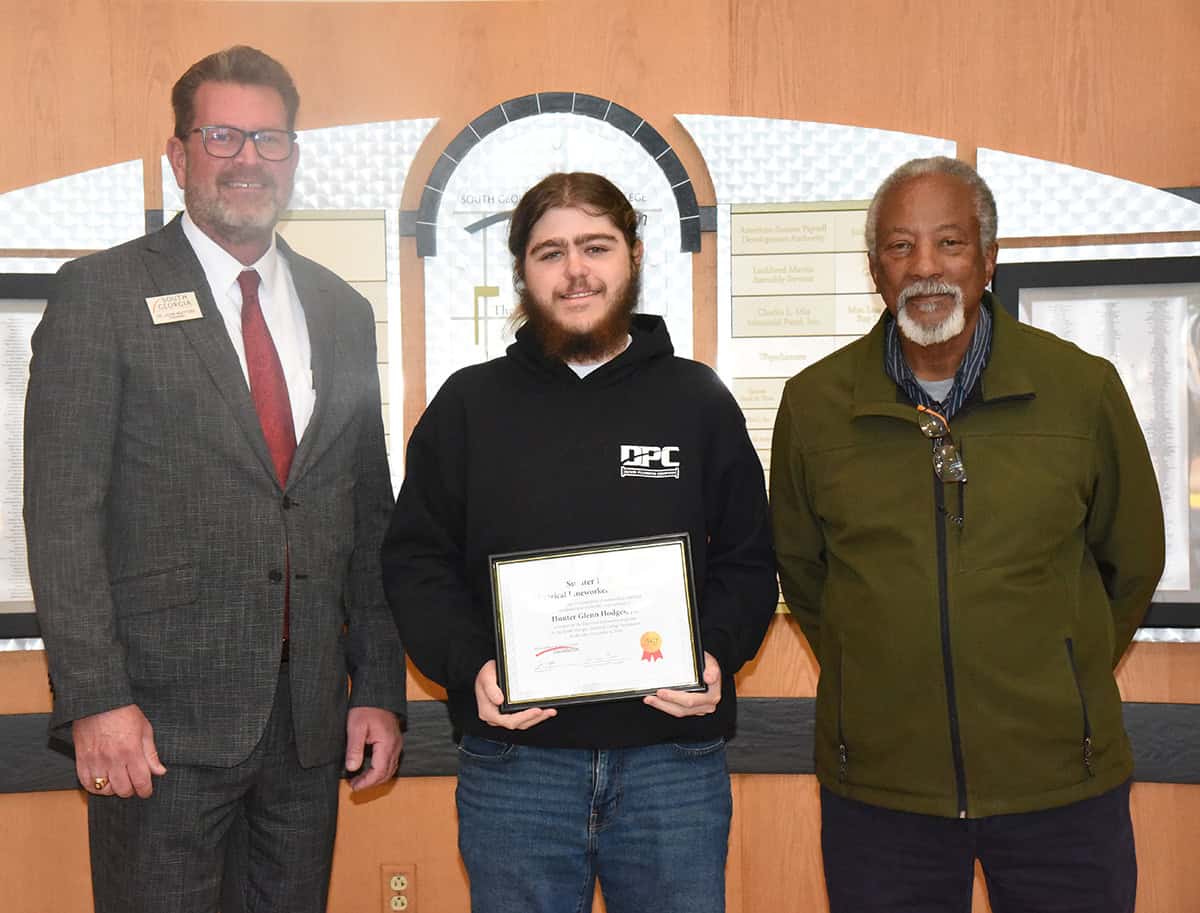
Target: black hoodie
520,453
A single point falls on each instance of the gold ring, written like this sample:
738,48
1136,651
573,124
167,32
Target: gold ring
99,783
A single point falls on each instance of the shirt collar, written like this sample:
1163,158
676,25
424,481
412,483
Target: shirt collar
965,378
222,268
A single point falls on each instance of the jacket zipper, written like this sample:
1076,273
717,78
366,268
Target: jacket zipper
960,775
1087,724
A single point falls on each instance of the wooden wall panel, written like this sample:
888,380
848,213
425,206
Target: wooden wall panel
56,102
1093,83
24,684
1113,83
355,63
775,854
410,822
44,853
1166,825
704,302
1167,673
785,664
779,821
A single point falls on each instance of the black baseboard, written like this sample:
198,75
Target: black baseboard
775,736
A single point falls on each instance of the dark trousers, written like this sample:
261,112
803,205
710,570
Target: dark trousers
1078,858
166,854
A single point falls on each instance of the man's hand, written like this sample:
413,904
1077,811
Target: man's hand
690,703
489,697
116,748
380,729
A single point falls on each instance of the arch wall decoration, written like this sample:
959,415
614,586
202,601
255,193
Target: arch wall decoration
461,225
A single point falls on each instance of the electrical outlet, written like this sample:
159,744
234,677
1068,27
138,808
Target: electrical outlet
399,888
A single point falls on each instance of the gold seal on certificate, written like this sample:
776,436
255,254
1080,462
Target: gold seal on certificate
596,622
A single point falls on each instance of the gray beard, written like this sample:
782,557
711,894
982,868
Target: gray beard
921,334
211,213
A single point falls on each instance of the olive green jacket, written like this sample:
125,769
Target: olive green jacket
967,670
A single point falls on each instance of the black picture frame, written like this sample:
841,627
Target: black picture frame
1011,278
498,561
34,286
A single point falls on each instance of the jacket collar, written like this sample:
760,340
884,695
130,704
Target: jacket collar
175,268
1006,375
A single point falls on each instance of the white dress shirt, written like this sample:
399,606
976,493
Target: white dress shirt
280,307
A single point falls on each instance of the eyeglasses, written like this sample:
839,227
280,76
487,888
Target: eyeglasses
947,461
226,142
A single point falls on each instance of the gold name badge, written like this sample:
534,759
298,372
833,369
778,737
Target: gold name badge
174,308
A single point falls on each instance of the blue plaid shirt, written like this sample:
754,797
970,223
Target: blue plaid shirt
965,377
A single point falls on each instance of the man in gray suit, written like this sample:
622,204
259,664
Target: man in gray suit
206,489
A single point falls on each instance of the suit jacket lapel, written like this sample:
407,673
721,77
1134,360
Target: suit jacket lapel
317,301
174,268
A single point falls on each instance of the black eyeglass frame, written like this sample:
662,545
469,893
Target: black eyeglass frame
245,135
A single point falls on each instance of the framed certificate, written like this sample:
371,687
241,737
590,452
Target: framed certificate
596,622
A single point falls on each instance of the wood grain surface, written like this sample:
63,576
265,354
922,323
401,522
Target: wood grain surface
1092,83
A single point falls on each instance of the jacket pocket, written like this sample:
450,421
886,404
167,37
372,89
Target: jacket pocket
843,751
1087,725
154,591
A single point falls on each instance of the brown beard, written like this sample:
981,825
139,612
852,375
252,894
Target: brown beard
602,341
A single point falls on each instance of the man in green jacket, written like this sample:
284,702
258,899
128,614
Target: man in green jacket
967,592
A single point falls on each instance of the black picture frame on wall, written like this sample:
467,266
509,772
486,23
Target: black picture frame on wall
1011,278
17,621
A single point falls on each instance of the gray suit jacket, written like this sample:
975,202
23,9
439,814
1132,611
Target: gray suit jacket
157,530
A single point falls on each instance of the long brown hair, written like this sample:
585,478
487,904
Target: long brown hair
593,193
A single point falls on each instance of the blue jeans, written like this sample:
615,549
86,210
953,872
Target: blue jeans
537,826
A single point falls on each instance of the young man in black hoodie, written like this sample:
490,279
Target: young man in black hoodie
525,452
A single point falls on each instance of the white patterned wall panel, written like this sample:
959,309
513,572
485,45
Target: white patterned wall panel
1037,198
91,210
357,166
768,160
11,645
31,264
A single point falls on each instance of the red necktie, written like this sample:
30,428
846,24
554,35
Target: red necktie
267,383
269,389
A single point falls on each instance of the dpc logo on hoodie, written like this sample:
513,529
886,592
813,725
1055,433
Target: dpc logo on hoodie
646,461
